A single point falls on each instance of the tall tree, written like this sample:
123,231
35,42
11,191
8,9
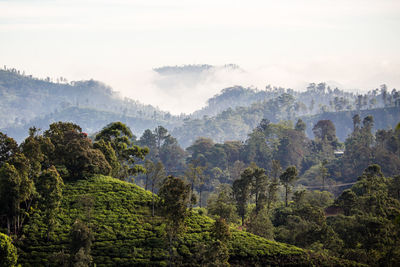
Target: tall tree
8,147
73,154
241,192
17,191
288,177
120,137
259,185
174,194
195,175
148,139
157,174
218,253
273,186
49,186
160,134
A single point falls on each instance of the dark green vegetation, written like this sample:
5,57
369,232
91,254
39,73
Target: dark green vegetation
60,210
118,215
8,252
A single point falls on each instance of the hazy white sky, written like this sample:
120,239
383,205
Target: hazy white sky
352,42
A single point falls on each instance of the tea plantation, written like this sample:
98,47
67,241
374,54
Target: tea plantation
125,234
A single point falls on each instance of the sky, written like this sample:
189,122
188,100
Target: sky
288,43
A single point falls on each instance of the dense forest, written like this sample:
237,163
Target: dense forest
279,198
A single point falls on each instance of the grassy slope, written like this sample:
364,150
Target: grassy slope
127,235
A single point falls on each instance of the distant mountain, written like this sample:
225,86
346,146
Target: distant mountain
232,97
26,101
230,115
191,69
237,123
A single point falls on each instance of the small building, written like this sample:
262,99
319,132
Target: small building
338,153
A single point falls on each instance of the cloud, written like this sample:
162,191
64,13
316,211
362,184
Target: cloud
188,92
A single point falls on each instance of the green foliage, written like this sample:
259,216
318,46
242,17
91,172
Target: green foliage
16,192
49,186
8,147
119,136
260,224
241,192
125,233
109,153
8,253
74,152
222,204
287,178
368,227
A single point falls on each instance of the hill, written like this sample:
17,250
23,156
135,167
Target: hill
236,124
25,98
125,233
91,120
384,118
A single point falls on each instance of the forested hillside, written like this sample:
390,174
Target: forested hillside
384,118
236,124
59,207
230,115
26,100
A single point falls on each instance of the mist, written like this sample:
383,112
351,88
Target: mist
187,92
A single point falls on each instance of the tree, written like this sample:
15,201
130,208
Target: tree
37,150
323,171
259,185
260,224
74,155
160,134
49,187
157,173
109,153
172,156
292,148
236,170
8,147
325,130
287,179
273,187
222,204
17,191
195,175
218,253
174,195
356,123
241,192
120,137
300,126
8,253
148,139
81,242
